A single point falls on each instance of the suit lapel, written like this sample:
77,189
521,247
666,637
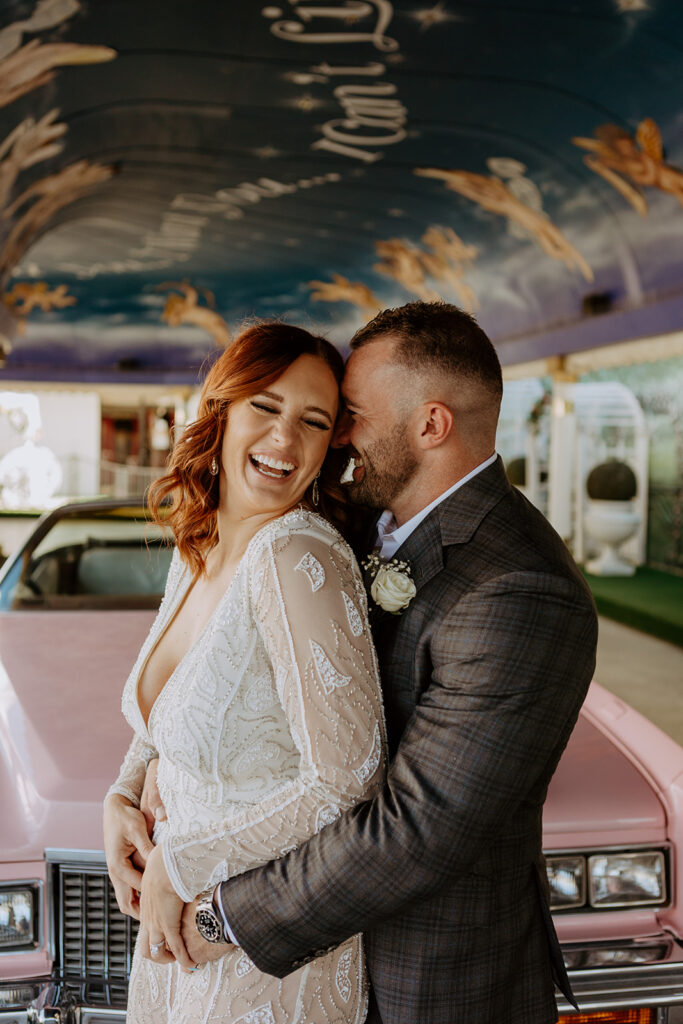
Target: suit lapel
461,514
453,521
423,550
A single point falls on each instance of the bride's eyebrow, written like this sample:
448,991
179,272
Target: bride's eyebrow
309,408
322,412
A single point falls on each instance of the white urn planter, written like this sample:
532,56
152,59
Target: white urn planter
611,523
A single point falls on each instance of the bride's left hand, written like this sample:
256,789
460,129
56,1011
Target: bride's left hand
161,910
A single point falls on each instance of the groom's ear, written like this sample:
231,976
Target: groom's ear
435,424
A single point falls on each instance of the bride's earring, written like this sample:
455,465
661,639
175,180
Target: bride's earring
315,493
213,466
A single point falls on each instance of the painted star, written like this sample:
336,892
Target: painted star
303,77
266,152
626,6
432,16
307,103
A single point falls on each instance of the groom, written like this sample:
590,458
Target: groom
484,673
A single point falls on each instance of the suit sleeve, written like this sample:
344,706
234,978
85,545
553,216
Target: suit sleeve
309,606
506,686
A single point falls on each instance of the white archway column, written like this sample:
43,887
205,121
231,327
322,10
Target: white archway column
562,452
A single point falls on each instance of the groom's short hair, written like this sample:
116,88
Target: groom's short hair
437,338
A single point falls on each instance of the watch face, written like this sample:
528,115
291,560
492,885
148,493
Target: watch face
208,925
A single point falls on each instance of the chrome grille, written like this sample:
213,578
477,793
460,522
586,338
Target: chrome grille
95,940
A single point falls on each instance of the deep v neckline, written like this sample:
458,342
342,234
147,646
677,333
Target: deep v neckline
174,612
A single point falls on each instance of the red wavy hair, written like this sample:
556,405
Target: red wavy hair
251,364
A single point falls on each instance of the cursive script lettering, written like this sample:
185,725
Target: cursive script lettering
228,202
352,10
330,131
373,114
351,151
373,68
365,105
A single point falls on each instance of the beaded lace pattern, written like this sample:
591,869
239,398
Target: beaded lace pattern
268,729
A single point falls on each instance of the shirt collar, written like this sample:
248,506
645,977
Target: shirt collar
390,537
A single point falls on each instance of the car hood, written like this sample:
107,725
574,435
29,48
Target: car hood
63,737
62,734
599,797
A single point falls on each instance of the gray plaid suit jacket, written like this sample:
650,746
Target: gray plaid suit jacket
484,675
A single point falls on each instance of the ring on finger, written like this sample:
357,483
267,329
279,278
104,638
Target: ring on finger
155,948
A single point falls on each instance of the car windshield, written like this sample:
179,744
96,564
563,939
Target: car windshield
113,558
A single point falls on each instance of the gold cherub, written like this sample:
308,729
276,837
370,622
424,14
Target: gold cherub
616,155
403,262
25,296
446,262
185,309
492,194
340,289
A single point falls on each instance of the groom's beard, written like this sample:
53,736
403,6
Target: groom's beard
389,465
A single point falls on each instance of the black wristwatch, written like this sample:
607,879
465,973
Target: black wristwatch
208,920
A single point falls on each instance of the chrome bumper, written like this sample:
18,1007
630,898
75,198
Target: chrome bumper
625,988
86,1016
44,1001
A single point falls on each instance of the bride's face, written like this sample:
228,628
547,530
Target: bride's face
275,441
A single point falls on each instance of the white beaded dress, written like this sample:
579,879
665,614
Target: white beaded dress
269,727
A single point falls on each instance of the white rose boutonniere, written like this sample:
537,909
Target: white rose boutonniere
392,589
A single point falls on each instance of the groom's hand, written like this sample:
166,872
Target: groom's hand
199,949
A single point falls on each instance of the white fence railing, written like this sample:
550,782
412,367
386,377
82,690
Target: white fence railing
83,478
126,481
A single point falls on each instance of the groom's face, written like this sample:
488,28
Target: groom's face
376,426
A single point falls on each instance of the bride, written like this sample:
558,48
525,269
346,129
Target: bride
257,686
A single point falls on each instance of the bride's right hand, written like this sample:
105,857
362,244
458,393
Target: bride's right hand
150,801
125,839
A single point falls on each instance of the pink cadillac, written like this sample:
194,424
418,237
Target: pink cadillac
75,605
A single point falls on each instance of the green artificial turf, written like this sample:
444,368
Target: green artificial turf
651,601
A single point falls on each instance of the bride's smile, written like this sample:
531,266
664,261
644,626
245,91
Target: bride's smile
275,441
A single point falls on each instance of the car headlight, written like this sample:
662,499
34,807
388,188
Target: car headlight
603,881
17,997
567,880
18,917
627,879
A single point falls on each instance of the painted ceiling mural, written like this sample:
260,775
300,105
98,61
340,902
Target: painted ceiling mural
169,170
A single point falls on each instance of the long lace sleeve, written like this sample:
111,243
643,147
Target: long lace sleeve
131,777
310,609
